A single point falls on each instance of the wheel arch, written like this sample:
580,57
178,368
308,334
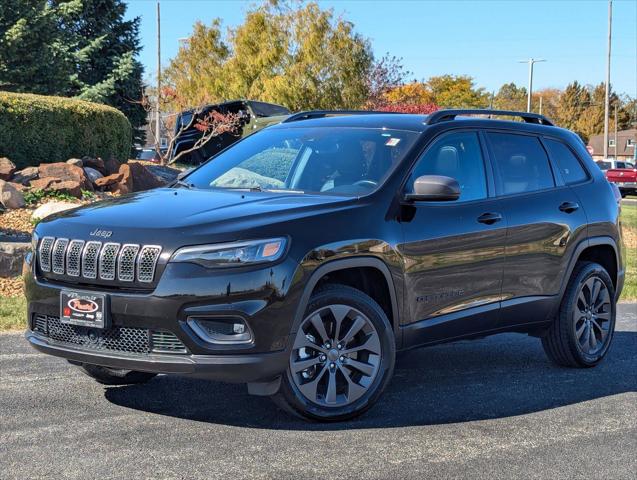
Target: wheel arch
602,250
342,265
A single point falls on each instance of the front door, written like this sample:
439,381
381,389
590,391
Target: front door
453,252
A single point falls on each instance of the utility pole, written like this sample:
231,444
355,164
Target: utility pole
615,131
157,106
607,98
531,62
540,105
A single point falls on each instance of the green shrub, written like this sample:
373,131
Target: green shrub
38,129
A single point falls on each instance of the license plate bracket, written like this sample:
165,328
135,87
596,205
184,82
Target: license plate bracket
88,309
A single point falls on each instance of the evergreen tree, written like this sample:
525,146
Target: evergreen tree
75,48
35,54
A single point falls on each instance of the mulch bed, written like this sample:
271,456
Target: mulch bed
11,287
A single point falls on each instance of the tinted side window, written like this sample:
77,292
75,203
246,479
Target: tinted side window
458,156
522,163
572,170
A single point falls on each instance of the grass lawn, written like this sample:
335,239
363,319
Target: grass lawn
13,313
629,219
13,310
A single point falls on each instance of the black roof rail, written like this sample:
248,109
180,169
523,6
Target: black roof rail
451,114
307,115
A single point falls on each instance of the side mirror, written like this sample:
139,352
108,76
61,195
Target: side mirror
434,188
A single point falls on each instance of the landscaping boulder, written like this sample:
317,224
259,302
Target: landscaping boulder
7,167
125,185
70,187
111,166
75,161
42,183
109,180
65,172
50,208
143,179
96,163
11,257
25,175
10,196
92,174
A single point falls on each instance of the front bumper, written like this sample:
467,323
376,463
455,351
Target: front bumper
241,368
265,299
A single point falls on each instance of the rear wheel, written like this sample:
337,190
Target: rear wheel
114,376
342,358
581,334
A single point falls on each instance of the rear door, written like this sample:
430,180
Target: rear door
453,251
545,223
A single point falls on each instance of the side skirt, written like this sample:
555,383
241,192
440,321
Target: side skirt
522,315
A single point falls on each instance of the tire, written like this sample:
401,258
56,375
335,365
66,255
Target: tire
581,335
112,376
364,327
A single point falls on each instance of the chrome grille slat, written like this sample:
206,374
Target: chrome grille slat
108,261
146,262
59,255
94,260
46,245
163,341
126,262
73,257
89,259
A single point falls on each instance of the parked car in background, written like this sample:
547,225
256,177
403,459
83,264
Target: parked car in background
254,116
148,154
609,163
625,178
301,259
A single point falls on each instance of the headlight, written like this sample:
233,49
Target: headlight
233,254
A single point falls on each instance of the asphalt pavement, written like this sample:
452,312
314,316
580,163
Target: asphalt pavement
491,408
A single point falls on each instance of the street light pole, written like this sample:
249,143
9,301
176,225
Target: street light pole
607,99
531,62
157,106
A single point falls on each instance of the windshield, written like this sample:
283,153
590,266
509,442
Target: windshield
349,161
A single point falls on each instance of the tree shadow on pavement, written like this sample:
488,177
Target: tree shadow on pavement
501,376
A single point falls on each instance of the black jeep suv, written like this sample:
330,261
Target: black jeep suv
302,258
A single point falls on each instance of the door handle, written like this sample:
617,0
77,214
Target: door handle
490,218
569,207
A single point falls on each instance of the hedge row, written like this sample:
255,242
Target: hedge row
38,129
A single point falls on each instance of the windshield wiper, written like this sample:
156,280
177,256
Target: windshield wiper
181,183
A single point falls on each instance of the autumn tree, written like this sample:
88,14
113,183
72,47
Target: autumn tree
510,97
301,57
385,75
457,91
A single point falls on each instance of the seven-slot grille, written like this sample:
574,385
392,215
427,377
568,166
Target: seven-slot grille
92,260
118,339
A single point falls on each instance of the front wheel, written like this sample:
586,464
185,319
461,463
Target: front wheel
342,358
581,334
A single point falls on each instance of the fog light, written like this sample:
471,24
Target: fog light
221,330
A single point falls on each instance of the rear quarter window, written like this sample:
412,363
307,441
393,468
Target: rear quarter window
570,167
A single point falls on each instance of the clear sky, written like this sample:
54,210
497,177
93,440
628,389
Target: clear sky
483,39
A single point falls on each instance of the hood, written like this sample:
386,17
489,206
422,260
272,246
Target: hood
181,216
